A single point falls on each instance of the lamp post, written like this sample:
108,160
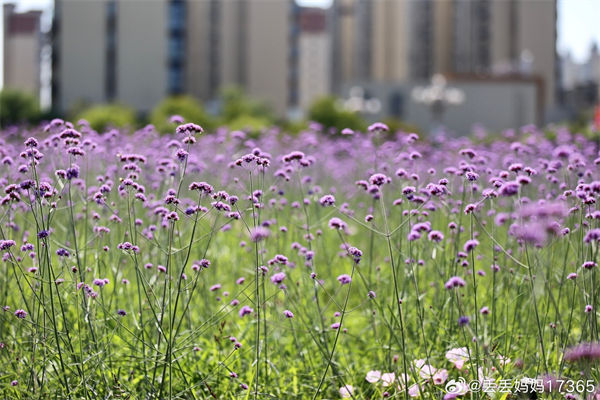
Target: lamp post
437,97
359,103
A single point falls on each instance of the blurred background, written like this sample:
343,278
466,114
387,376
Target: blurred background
247,64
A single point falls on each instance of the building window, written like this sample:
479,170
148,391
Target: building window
396,105
176,45
110,84
175,79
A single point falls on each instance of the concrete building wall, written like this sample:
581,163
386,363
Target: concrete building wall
501,33
267,55
81,52
315,77
22,46
141,52
497,105
390,40
22,62
198,55
347,26
442,43
231,43
537,33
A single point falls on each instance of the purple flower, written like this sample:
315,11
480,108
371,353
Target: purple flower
6,244
344,279
371,294
278,278
413,235
245,310
589,265
288,314
378,179
99,282
336,223
510,188
215,287
259,233
378,127
470,245
202,187
355,253
583,351
20,313
471,176
592,235
335,325
31,142
176,119
435,236
572,276
327,200
455,282
122,313
62,253
463,320
189,129
182,155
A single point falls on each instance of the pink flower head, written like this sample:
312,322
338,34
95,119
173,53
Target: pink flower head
458,356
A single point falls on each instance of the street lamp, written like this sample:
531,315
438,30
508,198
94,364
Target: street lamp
437,97
359,103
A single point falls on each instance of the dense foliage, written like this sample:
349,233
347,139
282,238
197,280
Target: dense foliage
210,265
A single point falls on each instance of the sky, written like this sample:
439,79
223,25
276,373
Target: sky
578,23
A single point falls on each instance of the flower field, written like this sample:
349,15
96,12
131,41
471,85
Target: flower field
218,265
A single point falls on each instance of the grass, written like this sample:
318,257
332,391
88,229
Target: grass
127,208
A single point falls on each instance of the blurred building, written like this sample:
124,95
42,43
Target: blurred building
314,58
138,52
22,49
580,82
388,42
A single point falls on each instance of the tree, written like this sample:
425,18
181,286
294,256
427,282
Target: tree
103,116
185,106
325,111
17,107
237,106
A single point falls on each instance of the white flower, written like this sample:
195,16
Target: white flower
388,379
346,391
458,356
414,390
440,376
373,376
425,370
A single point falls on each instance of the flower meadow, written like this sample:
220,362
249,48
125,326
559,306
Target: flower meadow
366,265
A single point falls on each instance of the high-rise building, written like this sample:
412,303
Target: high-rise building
314,49
138,52
392,41
22,50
